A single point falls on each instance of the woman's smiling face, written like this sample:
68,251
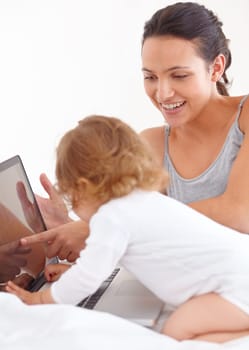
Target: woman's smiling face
176,79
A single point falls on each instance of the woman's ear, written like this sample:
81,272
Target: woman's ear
218,67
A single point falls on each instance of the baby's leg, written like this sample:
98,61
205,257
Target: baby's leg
207,317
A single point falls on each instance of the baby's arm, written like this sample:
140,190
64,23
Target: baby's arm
52,273
41,297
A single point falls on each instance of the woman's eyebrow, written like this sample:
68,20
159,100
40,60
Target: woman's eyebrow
166,70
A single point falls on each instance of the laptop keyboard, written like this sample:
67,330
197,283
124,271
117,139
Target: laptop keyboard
91,300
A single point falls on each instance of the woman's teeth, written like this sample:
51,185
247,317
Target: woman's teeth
172,106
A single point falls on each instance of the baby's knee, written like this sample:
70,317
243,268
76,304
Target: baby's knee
176,330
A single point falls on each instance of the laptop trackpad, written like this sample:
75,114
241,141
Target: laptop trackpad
128,298
131,288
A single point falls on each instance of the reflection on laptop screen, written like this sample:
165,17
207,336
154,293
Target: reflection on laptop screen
19,216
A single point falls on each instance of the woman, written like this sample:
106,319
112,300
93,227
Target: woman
185,56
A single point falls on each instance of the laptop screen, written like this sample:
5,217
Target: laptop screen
19,216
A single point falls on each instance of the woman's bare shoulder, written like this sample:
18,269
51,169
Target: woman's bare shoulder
155,137
153,133
244,117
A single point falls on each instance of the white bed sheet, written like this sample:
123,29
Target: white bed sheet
64,327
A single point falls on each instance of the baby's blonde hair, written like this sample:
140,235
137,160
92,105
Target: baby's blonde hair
103,158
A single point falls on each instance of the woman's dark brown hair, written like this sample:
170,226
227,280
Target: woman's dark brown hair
194,22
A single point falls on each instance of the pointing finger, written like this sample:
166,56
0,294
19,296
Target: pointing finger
42,237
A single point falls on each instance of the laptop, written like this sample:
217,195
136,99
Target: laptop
121,294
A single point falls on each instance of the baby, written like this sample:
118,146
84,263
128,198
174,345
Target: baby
109,177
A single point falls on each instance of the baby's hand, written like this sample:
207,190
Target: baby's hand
54,271
27,297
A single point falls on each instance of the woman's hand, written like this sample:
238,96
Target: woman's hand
65,241
53,209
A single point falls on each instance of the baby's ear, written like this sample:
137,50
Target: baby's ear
79,191
85,190
83,184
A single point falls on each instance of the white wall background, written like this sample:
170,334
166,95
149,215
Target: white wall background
61,60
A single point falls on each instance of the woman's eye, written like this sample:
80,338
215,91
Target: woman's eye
180,76
149,78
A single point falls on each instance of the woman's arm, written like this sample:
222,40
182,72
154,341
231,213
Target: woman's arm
232,207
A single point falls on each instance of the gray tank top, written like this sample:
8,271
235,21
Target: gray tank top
212,182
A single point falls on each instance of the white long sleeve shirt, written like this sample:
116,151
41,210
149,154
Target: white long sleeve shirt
172,249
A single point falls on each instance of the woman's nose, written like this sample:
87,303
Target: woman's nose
164,90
